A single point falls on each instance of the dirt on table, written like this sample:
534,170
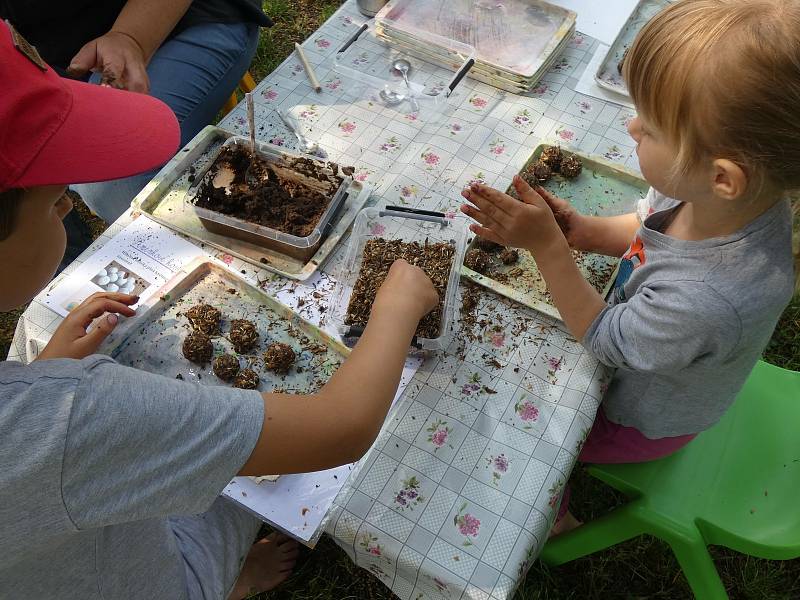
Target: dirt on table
289,198
379,254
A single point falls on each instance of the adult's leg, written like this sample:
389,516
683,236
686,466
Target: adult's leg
193,73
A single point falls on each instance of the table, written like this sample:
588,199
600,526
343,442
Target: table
456,497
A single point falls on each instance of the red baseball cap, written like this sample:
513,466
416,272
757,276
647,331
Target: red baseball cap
55,131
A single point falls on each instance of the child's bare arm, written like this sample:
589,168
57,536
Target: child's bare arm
532,224
604,235
339,423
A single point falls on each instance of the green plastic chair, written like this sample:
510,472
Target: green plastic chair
735,485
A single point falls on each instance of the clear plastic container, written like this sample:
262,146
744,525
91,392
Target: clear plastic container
408,226
301,248
426,101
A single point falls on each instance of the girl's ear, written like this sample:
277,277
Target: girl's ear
729,179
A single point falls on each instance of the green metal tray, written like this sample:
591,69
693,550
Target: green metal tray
603,188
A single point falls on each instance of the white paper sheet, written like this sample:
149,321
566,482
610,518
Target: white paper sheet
601,20
144,253
587,84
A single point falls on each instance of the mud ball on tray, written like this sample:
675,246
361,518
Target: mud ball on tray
226,367
247,379
487,245
478,260
197,347
205,318
541,172
509,256
279,357
551,156
244,335
571,167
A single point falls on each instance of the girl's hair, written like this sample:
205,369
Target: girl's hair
721,79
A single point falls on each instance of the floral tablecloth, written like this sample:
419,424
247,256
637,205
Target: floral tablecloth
456,497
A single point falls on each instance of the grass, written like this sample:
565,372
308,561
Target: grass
640,568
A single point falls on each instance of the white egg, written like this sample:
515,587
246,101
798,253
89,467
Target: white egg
122,281
103,280
112,277
128,288
102,273
113,269
112,287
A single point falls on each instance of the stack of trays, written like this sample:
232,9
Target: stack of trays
515,41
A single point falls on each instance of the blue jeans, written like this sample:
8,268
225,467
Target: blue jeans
193,73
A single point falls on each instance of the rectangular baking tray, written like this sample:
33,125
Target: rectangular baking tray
608,75
301,248
515,37
379,223
603,188
152,340
164,200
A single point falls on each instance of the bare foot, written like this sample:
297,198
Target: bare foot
268,564
567,523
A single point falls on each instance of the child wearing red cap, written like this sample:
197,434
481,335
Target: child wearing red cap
109,476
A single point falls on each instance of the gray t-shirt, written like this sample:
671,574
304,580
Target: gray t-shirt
94,457
688,319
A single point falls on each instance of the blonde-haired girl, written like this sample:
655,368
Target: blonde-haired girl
716,84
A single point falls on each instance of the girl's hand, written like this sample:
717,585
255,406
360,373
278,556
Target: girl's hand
71,340
118,57
526,223
407,290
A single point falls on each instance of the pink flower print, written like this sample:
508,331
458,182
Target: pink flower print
527,411
499,466
523,117
438,433
390,145
565,134
555,494
431,159
296,68
468,525
361,59
455,128
478,102
412,116
584,106
498,340
369,544
473,385
375,551
240,120
554,363
613,153
334,85
577,41
347,127
347,20
561,64
277,141
309,113
409,496
361,176
322,43
500,463
269,94
226,258
408,190
377,229
450,214
479,177
497,147
540,89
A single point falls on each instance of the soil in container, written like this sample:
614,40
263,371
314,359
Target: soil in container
378,255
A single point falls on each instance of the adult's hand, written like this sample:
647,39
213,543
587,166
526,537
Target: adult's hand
119,58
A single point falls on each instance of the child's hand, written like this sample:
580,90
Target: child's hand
406,290
526,223
566,216
71,339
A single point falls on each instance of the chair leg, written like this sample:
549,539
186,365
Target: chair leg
230,104
698,567
247,83
614,528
